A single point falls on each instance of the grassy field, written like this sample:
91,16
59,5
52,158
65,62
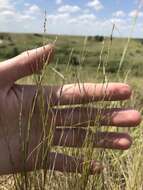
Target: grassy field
90,59
83,56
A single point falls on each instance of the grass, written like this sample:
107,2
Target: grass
84,60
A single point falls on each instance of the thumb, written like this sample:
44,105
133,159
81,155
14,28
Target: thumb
25,64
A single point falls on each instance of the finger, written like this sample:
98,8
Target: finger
69,164
77,137
87,92
91,117
27,63
76,93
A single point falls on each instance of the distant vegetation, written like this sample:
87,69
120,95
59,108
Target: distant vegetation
13,44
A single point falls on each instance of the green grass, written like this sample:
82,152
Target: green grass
79,59
13,44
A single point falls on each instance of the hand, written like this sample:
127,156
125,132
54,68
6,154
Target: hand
16,112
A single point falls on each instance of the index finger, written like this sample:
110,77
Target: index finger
25,64
74,94
80,93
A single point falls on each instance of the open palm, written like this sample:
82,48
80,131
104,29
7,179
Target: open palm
20,105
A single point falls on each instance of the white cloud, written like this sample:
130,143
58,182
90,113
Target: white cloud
118,22
7,13
58,17
10,15
58,2
136,13
119,13
95,4
33,9
83,18
5,5
7,10
69,9
25,17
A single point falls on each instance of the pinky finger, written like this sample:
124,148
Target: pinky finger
69,164
65,164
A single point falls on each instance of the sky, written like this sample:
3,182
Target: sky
72,17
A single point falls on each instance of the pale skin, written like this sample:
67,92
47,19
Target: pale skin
11,96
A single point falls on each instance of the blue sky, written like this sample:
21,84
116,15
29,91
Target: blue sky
83,17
